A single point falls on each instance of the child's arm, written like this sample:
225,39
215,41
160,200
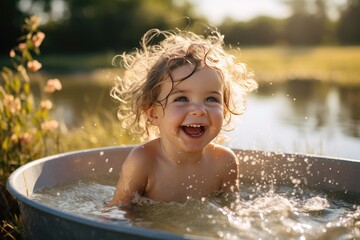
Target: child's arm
230,181
132,180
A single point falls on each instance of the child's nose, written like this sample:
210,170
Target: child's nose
197,110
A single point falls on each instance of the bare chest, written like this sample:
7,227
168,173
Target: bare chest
180,184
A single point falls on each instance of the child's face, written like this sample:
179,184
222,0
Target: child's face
193,115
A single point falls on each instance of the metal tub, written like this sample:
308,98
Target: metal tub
256,168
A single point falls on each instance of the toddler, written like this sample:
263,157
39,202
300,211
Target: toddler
179,93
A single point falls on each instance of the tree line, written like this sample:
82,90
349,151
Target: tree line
91,25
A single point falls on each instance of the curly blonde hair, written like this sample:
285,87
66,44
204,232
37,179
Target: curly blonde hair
145,69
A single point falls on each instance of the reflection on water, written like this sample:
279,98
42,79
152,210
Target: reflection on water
302,116
296,116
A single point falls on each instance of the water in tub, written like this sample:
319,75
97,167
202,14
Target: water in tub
260,212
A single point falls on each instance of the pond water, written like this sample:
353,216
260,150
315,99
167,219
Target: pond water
281,213
296,116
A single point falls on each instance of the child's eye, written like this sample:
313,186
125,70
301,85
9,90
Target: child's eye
212,99
181,99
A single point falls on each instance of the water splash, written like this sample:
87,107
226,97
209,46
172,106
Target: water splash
257,212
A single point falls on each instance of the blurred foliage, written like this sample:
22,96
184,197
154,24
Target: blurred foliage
75,26
26,130
114,25
259,31
97,130
348,30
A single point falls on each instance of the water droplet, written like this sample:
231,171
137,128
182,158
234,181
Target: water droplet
101,153
290,159
107,160
110,170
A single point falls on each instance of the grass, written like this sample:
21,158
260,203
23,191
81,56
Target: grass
98,130
77,62
339,65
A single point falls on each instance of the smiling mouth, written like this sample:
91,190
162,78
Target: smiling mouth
194,130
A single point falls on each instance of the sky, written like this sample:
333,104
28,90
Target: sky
244,10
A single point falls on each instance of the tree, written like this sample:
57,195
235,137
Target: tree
348,30
10,21
259,31
308,23
93,25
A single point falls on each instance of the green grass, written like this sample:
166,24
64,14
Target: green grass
340,65
77,62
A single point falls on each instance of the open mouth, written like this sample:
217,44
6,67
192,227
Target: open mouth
194,130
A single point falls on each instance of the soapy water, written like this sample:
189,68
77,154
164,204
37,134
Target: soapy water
262,213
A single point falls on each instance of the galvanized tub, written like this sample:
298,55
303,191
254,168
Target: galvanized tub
256,168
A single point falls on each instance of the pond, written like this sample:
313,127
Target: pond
297,116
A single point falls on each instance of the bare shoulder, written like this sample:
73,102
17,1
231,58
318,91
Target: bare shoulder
223,153
134,174
142,154
227,162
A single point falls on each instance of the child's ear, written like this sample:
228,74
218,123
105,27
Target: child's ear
152,115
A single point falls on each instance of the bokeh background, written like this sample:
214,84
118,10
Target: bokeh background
305,54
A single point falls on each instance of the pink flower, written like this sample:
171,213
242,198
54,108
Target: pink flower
14,138
46,104
34,65
13,104
38,38
12,53
52,85
22,46
21,68
49,125
25,138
